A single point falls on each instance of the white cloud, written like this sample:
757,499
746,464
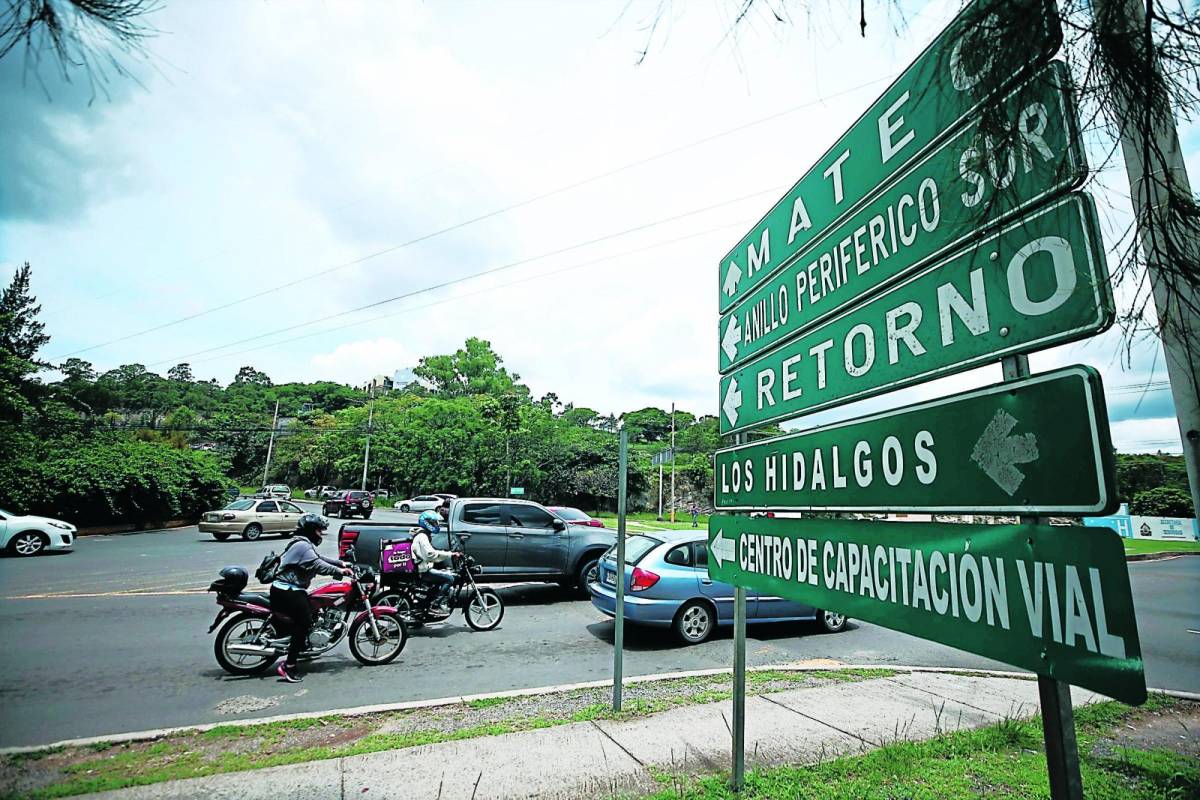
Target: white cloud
1147,435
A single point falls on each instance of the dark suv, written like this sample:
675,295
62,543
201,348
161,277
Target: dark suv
348,504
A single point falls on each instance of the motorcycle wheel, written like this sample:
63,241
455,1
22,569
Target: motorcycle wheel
242,628
393,635
485,615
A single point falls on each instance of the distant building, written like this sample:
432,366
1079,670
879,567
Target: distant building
380,384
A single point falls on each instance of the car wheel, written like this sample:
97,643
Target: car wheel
831,621
221,536
252,532
405,507
29,543
589,572
695,622
366,515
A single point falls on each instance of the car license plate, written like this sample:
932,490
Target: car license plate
610,578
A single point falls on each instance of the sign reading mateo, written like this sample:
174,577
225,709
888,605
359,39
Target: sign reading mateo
1035,446
1054,600
1038,282
932,96
965,184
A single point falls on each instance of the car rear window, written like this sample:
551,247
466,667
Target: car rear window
636,547
357,495
239,505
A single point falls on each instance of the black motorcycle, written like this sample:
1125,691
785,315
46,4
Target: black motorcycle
413,598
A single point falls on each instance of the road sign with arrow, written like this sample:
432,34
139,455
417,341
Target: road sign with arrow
1035,446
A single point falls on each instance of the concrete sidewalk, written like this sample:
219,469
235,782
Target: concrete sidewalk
613,758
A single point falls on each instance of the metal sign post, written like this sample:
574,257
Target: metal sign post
1058,717
619,622
739,678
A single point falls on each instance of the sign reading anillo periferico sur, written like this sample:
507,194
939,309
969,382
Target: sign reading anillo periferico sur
1054,600
1035,446
939,90
963,185
1040,281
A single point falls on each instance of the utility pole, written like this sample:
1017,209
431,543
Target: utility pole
367,452
672,462
271,443
1154,163
619,621
660,487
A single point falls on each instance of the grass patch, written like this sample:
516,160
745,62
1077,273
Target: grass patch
647,520
1003,760
1137,547
233,748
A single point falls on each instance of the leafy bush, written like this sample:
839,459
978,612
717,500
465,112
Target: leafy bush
1161,502
103,481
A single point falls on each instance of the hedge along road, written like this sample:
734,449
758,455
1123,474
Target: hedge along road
89,665
945,199
938,91
1038,282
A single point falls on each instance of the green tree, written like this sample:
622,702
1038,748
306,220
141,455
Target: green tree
1162,501
21,336
475,368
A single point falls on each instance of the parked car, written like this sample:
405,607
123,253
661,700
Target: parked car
348,504
250,518
330,492
667,585
573,516
23,535
445,496
381,494
512,540
320,492
424,502
279,491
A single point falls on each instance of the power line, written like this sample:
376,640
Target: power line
488,215
540,275
464,278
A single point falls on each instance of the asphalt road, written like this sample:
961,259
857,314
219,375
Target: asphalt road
111,638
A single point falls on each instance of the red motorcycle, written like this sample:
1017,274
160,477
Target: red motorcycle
248,642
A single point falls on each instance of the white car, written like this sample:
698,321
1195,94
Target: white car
279,491
425,502
28,536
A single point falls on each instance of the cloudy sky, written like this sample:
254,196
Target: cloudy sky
279,167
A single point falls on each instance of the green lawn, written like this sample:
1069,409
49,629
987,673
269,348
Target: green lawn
1005,760
647,520
1142,546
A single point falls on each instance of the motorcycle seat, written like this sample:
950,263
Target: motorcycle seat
257,598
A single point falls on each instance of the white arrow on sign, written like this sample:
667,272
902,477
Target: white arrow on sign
732,402
998,452
722,548
733,275
733,334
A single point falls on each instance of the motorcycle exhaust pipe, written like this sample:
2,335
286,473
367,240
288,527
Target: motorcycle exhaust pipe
252,650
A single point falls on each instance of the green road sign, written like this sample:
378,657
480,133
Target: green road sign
517,491
1038,282
1054,600
948,197
934,94
1039,445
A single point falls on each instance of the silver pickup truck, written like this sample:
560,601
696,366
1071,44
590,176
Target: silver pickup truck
513,540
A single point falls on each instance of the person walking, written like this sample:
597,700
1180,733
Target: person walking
695,509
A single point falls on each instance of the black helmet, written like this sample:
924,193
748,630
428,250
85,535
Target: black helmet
310,526
234,578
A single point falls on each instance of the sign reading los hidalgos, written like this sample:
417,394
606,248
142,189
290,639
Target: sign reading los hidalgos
1055,600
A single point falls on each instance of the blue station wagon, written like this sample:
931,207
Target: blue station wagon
667,585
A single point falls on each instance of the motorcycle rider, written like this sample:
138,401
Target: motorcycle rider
289,592
427,557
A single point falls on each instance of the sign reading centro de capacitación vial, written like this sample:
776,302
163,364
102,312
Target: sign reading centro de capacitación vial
940,233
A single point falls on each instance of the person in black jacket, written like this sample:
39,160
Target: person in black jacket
289,592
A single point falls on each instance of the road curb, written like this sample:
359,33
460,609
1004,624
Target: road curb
358,711
132,528
1167,556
